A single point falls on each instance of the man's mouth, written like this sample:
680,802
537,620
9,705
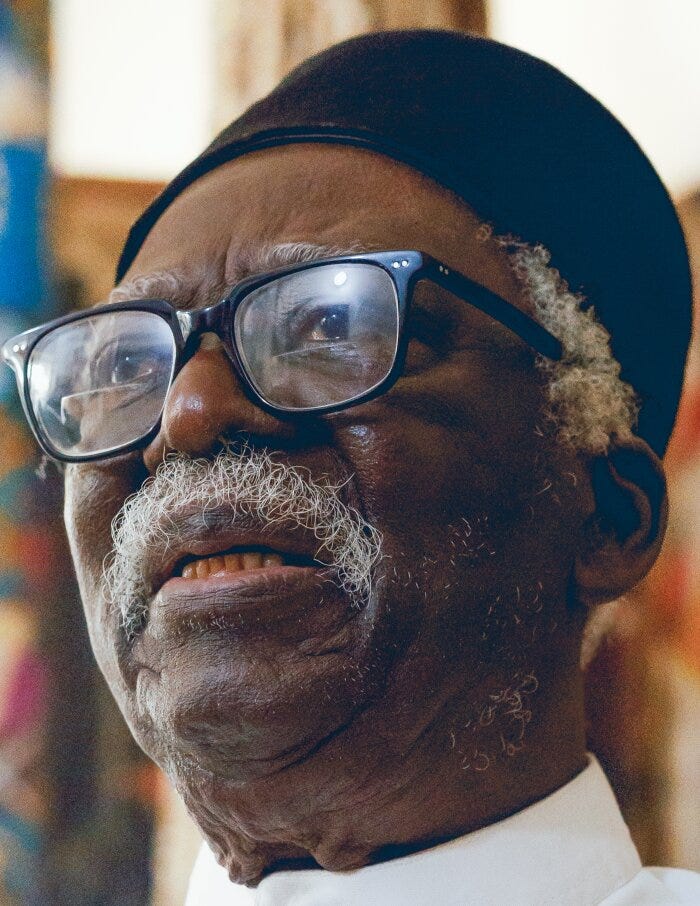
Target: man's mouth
226,550
244,589
237,560
240,526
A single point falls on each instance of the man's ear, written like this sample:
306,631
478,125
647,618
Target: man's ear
622,537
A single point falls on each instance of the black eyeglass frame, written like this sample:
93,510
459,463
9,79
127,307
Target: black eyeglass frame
406,269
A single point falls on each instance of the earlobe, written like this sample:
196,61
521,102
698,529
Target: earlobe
622,537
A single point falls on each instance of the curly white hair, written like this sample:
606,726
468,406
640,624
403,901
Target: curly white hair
588,401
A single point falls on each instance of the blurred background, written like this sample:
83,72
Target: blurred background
102,103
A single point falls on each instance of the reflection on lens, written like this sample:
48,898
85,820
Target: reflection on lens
321,336
100,383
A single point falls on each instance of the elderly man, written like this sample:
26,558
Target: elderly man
352,468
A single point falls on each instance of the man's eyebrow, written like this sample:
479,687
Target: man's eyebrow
250,261
191,287
176,286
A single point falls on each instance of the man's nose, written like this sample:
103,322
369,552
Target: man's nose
207,405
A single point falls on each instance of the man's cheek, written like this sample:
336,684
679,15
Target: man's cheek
94,494
412,476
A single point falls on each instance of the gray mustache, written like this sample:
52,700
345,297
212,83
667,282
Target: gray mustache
249,485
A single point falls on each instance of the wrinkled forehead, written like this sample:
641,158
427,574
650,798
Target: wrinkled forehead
310,199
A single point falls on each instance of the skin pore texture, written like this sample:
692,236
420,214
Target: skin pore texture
321,728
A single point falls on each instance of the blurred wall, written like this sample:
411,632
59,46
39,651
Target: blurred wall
132,86
139,87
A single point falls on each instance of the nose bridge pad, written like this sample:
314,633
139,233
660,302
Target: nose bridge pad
197,322
210,340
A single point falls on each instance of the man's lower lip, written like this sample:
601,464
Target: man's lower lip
243,578
253,597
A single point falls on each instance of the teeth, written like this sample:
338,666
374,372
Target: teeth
251,560
229,563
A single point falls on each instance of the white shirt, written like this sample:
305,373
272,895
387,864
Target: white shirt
570,849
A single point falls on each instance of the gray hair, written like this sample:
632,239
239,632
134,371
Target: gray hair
587,401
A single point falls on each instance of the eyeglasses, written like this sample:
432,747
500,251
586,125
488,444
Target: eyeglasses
309,339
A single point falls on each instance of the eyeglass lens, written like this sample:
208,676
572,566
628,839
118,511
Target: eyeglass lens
100,383
319,337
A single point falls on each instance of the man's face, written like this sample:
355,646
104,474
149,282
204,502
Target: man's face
284,704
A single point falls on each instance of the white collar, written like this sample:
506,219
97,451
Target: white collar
573,840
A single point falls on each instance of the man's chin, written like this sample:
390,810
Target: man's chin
243,741
245,705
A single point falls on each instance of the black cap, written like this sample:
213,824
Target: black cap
529,150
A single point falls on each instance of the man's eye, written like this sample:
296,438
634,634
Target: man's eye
120,363
318,324
132,366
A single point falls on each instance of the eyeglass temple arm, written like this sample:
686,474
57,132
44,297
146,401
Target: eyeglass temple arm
504,312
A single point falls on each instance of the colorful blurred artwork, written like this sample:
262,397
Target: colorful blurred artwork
673,588
23,804
27,568
26,560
